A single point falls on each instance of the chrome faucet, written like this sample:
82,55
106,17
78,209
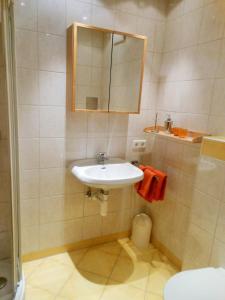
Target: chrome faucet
101,157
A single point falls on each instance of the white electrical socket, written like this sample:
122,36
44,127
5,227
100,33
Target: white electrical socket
139,144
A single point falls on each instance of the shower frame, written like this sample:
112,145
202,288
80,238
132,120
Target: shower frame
10,69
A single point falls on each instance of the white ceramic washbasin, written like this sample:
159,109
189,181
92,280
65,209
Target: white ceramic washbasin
115,173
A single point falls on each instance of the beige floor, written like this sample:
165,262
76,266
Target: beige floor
112,271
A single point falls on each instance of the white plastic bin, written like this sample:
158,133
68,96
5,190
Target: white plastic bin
141,231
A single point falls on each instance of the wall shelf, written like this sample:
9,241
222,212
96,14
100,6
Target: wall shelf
192,136
214,146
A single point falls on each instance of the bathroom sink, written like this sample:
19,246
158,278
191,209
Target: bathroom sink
114,173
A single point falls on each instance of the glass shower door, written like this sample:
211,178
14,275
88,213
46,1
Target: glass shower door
11,284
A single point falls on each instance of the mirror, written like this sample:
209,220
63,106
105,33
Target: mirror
105,69
93,69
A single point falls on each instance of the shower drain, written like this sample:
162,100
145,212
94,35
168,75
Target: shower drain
3,282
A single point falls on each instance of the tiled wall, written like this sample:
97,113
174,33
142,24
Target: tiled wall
190,222
54,210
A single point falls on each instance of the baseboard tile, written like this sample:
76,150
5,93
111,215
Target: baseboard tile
74,246
175,260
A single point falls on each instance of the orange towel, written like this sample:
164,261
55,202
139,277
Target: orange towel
160,189
153,186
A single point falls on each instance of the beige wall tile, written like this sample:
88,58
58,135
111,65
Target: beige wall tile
218,257
102,17
76,125
75,149
52,88
52,121
95,128
30,239
147,27
216,125
73,231
91,227
52,182
198,248
78,11
29,153
51,235
52,20
29,210
212,26
26,15
221,65
210,177
72,185
196,96
29,184
205,66
111,223
190,159
26,49
28,121
74,206
220,228
190,5
217,107
95,145
52,53
190,27
204,211
27,86
91,207
47,213
52,152
185,189
181,218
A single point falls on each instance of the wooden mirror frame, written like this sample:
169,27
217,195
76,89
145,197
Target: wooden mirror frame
72,64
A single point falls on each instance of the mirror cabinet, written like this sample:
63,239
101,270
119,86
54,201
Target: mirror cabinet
104,69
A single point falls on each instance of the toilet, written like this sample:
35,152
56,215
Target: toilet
199,284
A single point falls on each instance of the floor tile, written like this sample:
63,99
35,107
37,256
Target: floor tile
122,292
134,273
123,270
150,296
70,258
30,266
33,293
157,280
50,276
111,248
98,262
115,270
77,255
83,286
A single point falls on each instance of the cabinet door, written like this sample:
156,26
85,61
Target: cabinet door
126,73
92,69
104,69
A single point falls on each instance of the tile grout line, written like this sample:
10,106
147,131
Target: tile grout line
108,279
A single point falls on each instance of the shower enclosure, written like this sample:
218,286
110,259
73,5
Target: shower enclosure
11,281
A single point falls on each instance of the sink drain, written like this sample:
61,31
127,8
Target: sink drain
3,282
